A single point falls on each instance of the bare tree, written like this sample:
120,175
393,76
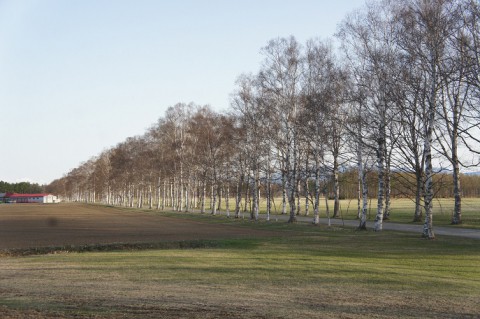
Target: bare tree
318,98
424,28
280,79
457,113
370,36
250,111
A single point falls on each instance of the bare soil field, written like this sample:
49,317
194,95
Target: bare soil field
25,226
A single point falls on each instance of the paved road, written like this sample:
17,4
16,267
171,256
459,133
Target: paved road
446,231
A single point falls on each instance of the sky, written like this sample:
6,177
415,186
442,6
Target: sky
79,77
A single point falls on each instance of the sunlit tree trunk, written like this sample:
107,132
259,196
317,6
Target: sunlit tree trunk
213,204
292,176
388,186
336,187
164,194
298,192
247,194
255,193
269,197
159,193
327,208
381,175
204,195
150,196
238,197
359,195
187,204
457,213
363,180
307,196
428,225
171,196
284,192
316,205
227,201
428,127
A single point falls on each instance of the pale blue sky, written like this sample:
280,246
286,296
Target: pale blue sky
77,77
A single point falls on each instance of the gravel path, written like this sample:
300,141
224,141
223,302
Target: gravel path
444,231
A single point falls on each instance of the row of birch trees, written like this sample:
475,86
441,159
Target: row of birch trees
401,94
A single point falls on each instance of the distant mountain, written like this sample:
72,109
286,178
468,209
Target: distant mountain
473,173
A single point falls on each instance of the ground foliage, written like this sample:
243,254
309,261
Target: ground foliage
21,187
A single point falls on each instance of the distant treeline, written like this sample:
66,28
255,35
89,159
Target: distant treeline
403,185
21,188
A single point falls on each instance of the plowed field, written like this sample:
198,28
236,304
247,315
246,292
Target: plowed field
24,226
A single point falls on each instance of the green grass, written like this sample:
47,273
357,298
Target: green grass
305,272
402,210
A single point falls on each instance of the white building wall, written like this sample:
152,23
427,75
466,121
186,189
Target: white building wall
50,199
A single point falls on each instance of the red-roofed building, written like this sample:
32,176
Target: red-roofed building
29,198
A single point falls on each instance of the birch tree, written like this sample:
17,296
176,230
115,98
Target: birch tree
424,28
318,96
458,120
280,79
370,36
247,104
409,155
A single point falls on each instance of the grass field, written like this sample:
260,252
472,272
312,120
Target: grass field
402,210
298,271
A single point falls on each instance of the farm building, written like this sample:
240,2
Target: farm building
28,198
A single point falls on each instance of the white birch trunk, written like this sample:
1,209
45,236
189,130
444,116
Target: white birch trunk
457,191
238,197
179,198
381,173
186,196
164,194
363,180
316,205
359,195
269,190
150,196
307,197
159,192
428,224
227,202
388,190
131,195
336,187
214,200
247,195
284,193
327,208
428,129
139,198
171,195
298,192
204,194
291,160
457,213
